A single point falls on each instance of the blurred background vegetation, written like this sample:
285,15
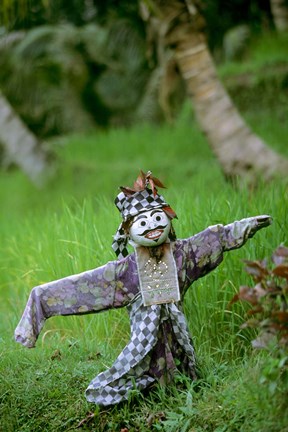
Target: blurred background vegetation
75,66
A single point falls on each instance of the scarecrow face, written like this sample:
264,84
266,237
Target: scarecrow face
150,228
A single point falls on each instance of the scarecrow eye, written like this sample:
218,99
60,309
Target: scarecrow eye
159,217
143,223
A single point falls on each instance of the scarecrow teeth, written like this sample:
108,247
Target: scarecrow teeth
154,234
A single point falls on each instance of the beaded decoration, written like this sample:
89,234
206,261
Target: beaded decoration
158,278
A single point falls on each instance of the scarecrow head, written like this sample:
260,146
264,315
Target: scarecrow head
146,215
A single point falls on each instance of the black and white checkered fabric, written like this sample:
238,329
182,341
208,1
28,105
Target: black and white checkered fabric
130,206
182,335
130,370
119,244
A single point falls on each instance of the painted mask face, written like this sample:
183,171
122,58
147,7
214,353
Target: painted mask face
150,228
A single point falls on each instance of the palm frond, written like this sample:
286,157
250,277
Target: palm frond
126,46
121,85
35,43
95,38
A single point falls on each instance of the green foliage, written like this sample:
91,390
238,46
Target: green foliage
261,82
230,400
63,78
220,17
43,76
84,65
269,299
119,86
27,14
269,314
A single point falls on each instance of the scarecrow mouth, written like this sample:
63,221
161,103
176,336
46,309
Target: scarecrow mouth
155,234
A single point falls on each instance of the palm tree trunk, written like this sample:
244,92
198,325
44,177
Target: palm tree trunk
279,11
20,145
240,152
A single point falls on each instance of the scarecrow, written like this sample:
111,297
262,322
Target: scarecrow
151,282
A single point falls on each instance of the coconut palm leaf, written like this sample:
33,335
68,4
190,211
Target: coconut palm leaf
121,84
47,76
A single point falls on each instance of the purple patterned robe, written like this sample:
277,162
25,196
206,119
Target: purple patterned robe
159,330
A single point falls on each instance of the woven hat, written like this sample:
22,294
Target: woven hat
132,201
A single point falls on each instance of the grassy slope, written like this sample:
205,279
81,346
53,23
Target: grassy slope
67,227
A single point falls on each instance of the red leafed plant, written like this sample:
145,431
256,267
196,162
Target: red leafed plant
268,298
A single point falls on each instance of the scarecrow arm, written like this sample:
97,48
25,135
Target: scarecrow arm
205,250
237,233
88,292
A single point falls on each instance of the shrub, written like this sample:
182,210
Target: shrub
269,312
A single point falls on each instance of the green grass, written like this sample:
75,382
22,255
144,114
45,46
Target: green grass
270,49
260,81
66,227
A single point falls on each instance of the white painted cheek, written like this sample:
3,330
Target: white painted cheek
136,236
137,231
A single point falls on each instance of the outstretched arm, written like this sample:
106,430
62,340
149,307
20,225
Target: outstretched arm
205,250
235,235
88,292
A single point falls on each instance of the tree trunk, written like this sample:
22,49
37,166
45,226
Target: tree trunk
240,152
20,145
279,11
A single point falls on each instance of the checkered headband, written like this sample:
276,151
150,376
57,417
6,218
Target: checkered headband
130,206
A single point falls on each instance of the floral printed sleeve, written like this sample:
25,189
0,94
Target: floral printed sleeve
237,233
88,292
205,250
